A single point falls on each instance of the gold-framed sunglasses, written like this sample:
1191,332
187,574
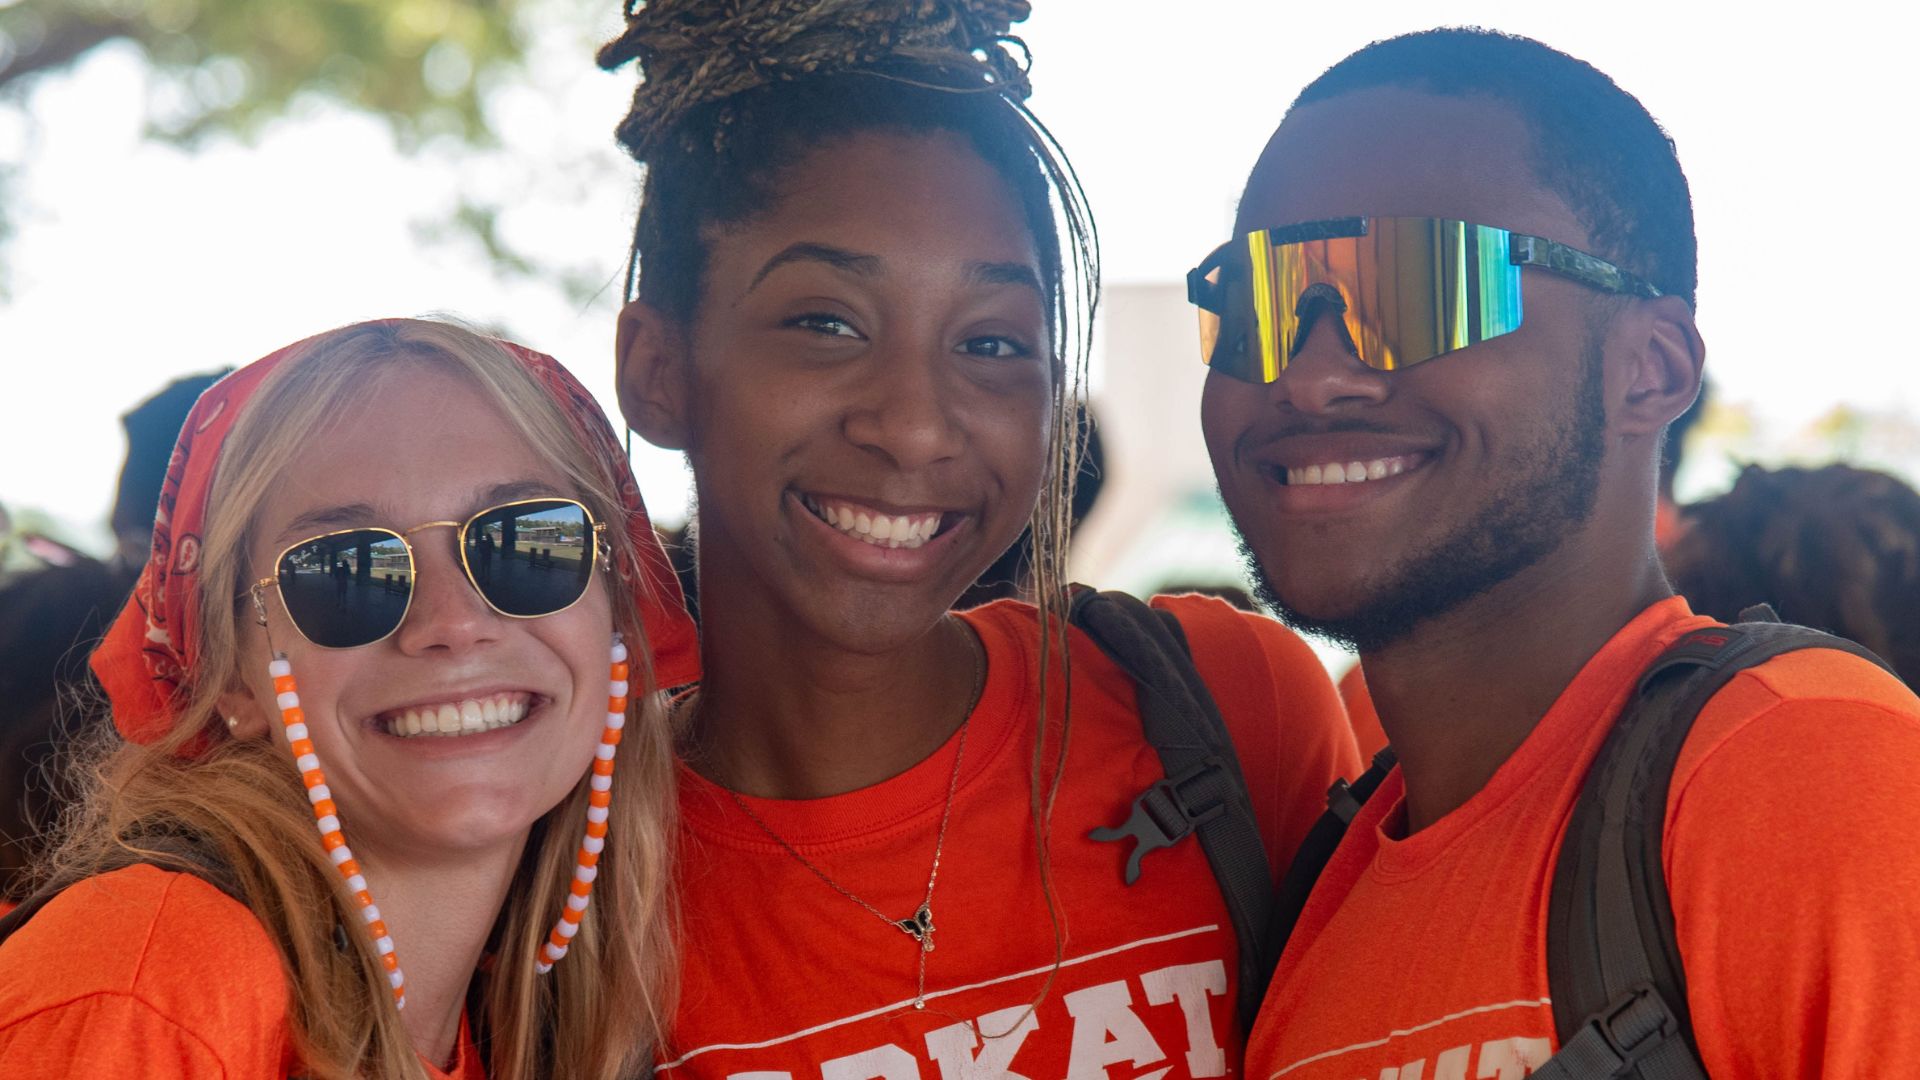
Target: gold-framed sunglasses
353,587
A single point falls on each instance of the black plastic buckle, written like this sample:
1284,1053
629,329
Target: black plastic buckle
1162,816
1635,1024
1342,802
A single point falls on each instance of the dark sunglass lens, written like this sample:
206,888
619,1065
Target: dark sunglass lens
347,589
531,558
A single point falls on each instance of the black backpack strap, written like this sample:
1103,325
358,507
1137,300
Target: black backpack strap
1613,961
1204,791
1344,801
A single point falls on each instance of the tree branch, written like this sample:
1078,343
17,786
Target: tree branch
64,43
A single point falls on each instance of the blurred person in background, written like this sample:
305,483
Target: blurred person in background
1466,495
50,618
202,913
854,309
1836,548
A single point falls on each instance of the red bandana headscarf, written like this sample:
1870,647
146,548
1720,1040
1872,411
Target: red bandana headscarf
146,659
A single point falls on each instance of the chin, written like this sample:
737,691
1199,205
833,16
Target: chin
469,826
872,626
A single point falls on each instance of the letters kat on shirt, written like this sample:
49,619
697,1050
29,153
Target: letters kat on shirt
1789,853
786,979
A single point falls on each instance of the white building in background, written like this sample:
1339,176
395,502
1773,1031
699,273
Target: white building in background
1159,521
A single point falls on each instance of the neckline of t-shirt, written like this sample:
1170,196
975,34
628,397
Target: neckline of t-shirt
466,1056
909,800
1615,666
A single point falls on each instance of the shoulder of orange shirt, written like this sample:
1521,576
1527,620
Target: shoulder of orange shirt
1289,728
1793,871
129,955
111,978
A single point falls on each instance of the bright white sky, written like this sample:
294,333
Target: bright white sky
136,263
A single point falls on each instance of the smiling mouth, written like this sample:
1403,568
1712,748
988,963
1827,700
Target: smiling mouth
1347,472
467,716
876,527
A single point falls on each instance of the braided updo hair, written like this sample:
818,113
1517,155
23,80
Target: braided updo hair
735,93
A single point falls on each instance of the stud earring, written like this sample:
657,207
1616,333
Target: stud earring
233,723
587,861
326,819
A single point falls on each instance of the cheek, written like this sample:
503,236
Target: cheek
585,640
1227,408
1011,432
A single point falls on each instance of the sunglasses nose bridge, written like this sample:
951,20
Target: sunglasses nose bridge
445,608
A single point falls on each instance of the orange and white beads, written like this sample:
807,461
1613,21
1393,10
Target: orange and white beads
326,818
586,865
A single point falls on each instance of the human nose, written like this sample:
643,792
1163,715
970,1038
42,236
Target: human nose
1325,374
446,613
908,412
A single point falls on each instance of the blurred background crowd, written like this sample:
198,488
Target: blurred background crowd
187,184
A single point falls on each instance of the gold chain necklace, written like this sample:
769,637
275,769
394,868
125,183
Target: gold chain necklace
919,926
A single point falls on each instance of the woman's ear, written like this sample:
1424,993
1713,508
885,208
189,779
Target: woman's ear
242,714
651,366
1665,357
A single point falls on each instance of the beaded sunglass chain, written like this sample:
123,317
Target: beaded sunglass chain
327,820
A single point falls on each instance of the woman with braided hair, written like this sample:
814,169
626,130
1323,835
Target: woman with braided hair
852,306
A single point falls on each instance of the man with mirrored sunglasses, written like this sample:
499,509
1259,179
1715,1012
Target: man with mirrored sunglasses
1445,342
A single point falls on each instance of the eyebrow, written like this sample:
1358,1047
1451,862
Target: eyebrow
850,262
869,266
1003,273
349,515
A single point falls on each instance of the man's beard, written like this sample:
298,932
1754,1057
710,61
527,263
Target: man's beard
1524,522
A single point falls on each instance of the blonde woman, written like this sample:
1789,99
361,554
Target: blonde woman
318,654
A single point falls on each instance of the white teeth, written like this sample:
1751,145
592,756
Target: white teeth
468,716
880,530
1352,472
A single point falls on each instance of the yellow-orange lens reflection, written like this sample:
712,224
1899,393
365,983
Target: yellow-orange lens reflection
1413,289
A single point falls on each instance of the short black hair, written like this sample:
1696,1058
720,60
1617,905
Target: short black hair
1594,144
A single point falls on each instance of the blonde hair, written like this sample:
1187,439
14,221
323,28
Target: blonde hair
602,1011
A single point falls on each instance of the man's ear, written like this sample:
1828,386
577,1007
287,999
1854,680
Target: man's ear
1662,358
241,715
651,364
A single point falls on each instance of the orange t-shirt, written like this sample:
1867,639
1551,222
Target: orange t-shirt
1789,854
1367,732
786,979
143,972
